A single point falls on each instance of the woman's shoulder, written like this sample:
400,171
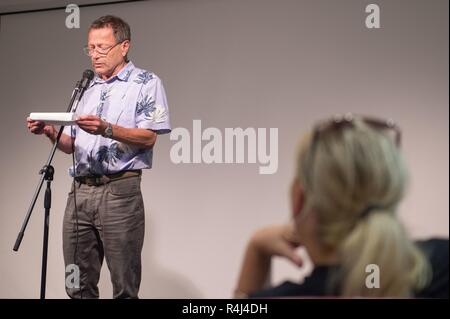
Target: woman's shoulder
315,285
436,250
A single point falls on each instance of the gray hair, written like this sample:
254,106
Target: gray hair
120,28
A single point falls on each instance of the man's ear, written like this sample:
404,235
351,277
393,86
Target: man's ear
125,47
297,198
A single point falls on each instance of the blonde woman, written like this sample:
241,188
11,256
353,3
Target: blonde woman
350,180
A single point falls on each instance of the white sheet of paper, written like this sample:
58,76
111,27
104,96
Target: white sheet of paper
55,118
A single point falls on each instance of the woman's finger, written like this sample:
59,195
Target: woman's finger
288,251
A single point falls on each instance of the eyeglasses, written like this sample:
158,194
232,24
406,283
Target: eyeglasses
89,51
340,122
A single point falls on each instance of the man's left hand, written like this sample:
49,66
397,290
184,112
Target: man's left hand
92,124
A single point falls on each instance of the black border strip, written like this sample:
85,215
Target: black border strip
63,7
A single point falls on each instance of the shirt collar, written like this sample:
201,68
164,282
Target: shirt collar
123,75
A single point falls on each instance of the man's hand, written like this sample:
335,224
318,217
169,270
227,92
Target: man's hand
141,137
39,127
92,124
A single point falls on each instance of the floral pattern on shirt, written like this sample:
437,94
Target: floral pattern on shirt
138,100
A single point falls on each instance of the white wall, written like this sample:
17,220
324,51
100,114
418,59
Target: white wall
232,63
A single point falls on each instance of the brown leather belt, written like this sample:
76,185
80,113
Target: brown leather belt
105,179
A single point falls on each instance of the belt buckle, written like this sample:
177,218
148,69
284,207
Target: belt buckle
96,180
102,180
90,181
93,181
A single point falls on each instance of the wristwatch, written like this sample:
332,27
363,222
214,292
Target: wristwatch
108,131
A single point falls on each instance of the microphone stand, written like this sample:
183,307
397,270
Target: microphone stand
47,173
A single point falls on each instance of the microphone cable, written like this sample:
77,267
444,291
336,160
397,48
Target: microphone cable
75,257
83,84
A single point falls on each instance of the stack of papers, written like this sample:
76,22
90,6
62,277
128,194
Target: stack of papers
55,118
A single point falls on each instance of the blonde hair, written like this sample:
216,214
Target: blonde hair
354,180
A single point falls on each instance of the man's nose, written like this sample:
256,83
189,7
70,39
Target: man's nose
94,59
95,55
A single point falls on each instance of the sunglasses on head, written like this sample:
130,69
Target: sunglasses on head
348,120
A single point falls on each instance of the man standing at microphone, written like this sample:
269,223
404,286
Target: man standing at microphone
121,114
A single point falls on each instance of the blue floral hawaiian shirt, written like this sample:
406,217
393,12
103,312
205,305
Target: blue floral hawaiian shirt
134,98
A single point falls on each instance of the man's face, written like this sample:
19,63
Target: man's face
103,39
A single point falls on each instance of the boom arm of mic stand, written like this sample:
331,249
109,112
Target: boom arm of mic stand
77,91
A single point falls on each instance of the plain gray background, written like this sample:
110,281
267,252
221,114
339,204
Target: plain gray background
253,63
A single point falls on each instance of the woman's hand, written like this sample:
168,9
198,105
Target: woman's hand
278,240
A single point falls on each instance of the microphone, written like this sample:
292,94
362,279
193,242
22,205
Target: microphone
88,75
81,86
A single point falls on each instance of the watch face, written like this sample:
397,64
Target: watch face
108,131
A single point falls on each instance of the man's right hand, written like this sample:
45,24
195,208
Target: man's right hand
39,127
65,143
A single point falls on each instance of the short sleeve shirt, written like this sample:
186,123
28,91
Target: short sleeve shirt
134,98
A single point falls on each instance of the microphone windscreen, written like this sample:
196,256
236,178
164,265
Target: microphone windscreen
88,74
